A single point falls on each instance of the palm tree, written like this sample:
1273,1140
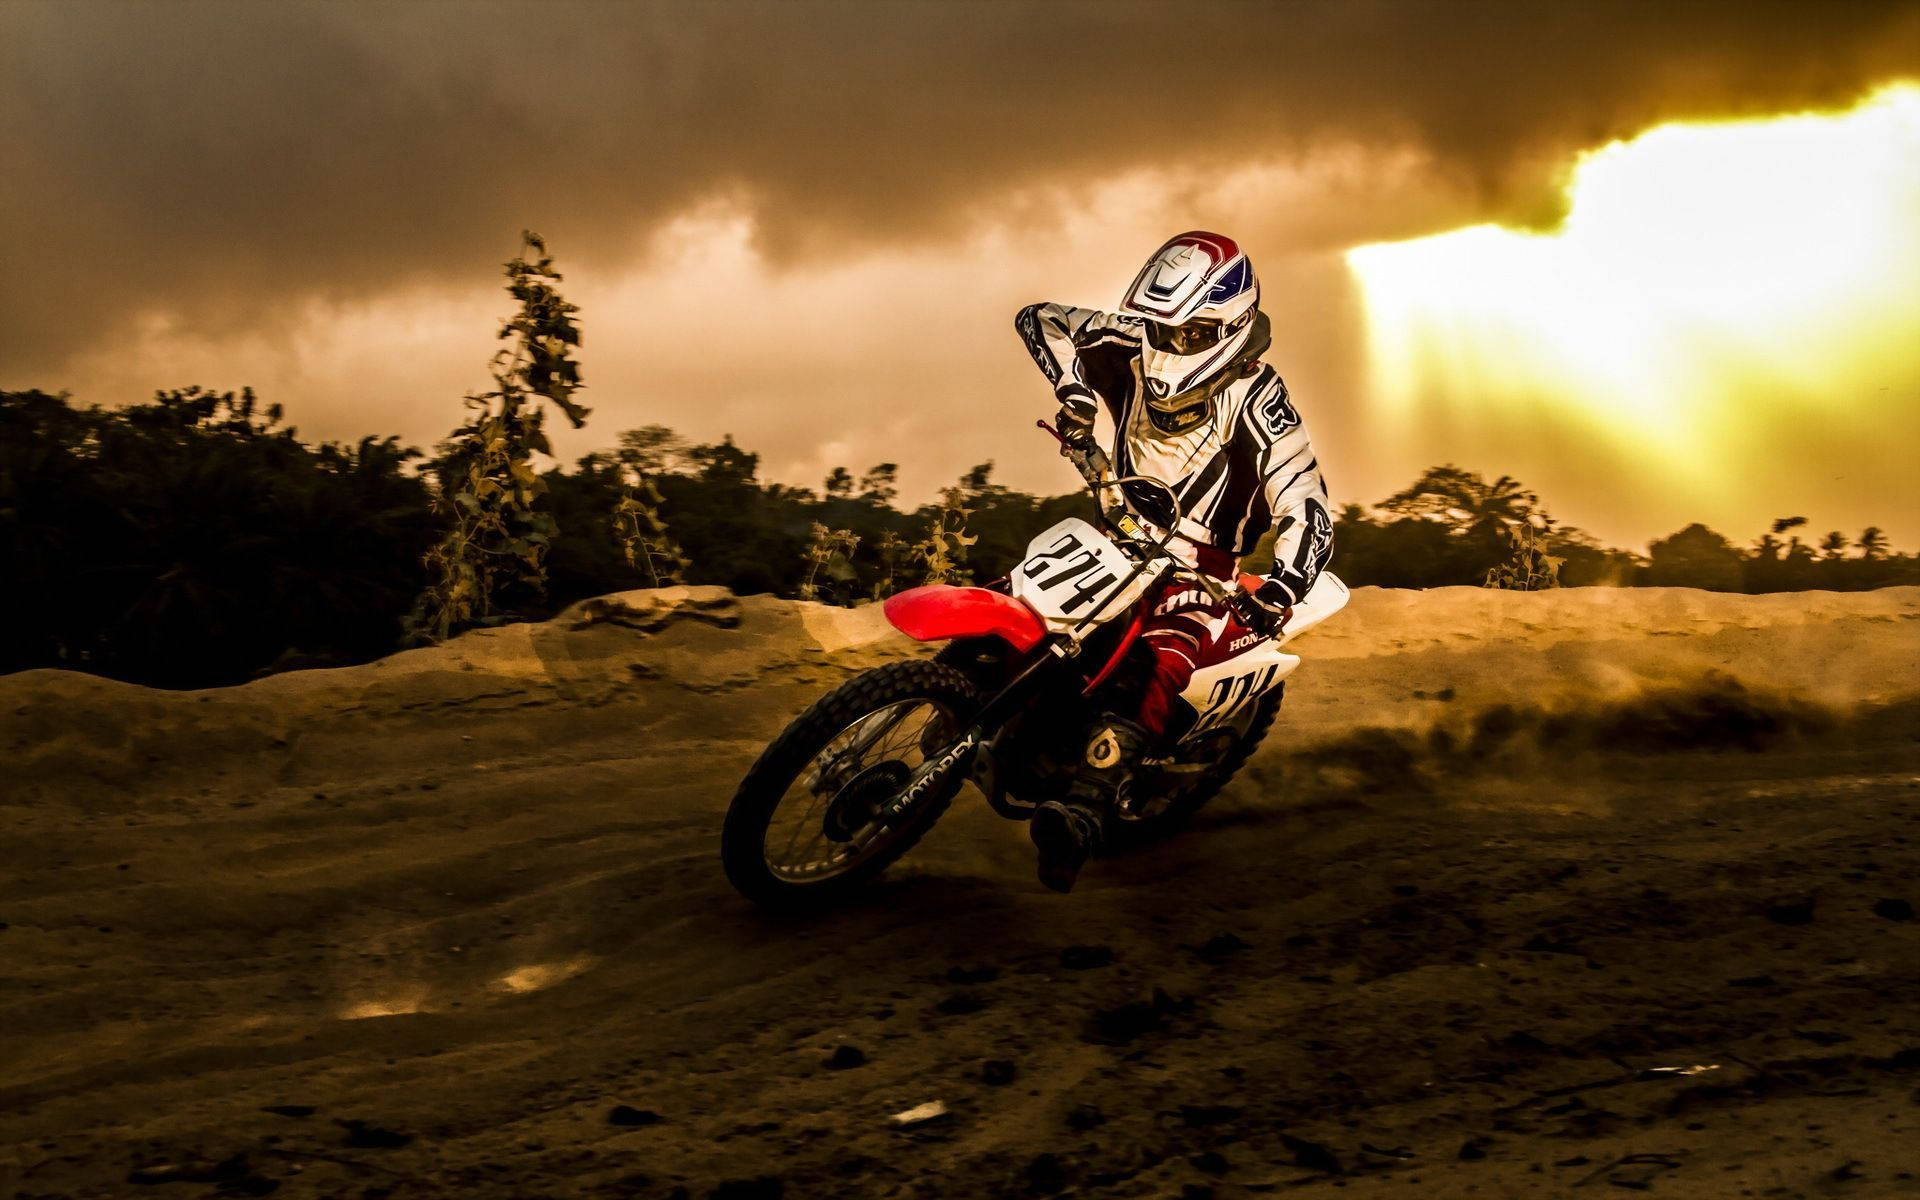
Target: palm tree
1464,500
1770,545
1872,543
1833,546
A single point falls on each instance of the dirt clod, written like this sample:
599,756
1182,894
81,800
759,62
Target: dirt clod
845,1058
1045,1175
1794,911
1120,1025
1086,958
368,1136
1209,1162
1085,1117
1312,1155
1221,947
1200,1116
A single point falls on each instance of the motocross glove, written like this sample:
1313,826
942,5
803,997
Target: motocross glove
1265,610
1075,419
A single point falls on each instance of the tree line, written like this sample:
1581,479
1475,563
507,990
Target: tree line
196,539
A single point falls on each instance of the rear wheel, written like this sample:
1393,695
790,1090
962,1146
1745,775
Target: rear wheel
801,832
1170,796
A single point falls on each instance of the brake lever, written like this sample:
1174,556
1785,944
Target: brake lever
1097,470
1092,463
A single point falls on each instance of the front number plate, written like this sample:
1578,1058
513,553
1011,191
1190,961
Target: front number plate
1072,573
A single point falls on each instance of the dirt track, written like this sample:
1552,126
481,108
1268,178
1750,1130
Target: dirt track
1641,927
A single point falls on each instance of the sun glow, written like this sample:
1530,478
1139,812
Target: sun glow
1702,272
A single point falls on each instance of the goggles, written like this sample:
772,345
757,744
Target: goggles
1201,333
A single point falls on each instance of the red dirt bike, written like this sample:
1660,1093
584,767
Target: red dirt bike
1030,664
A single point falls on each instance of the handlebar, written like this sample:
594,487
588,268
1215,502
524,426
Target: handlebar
1095,467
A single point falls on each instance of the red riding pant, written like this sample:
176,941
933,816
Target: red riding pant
1186,629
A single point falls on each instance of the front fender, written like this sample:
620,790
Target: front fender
940,611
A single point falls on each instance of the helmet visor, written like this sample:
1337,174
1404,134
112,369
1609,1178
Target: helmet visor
1197,335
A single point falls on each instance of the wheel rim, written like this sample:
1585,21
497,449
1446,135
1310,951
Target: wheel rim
823,825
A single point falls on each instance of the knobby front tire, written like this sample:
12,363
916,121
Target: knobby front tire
805,757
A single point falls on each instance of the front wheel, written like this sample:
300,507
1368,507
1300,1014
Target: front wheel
801,832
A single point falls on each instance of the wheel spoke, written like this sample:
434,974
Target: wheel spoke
909,740
894,734
799,827
859,747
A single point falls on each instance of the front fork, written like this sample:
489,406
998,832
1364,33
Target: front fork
1056,652
951,765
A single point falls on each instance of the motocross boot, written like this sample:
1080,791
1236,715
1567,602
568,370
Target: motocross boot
1067,831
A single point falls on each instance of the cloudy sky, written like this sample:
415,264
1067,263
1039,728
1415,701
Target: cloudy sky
1616,273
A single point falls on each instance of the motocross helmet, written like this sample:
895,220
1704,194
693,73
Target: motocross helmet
1199,299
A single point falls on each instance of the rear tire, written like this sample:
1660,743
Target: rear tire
743,840
1126,835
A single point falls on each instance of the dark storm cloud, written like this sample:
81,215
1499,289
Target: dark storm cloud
220,161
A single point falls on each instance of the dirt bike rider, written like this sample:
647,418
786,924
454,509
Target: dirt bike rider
1177,370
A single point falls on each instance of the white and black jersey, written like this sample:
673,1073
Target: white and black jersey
1245,469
